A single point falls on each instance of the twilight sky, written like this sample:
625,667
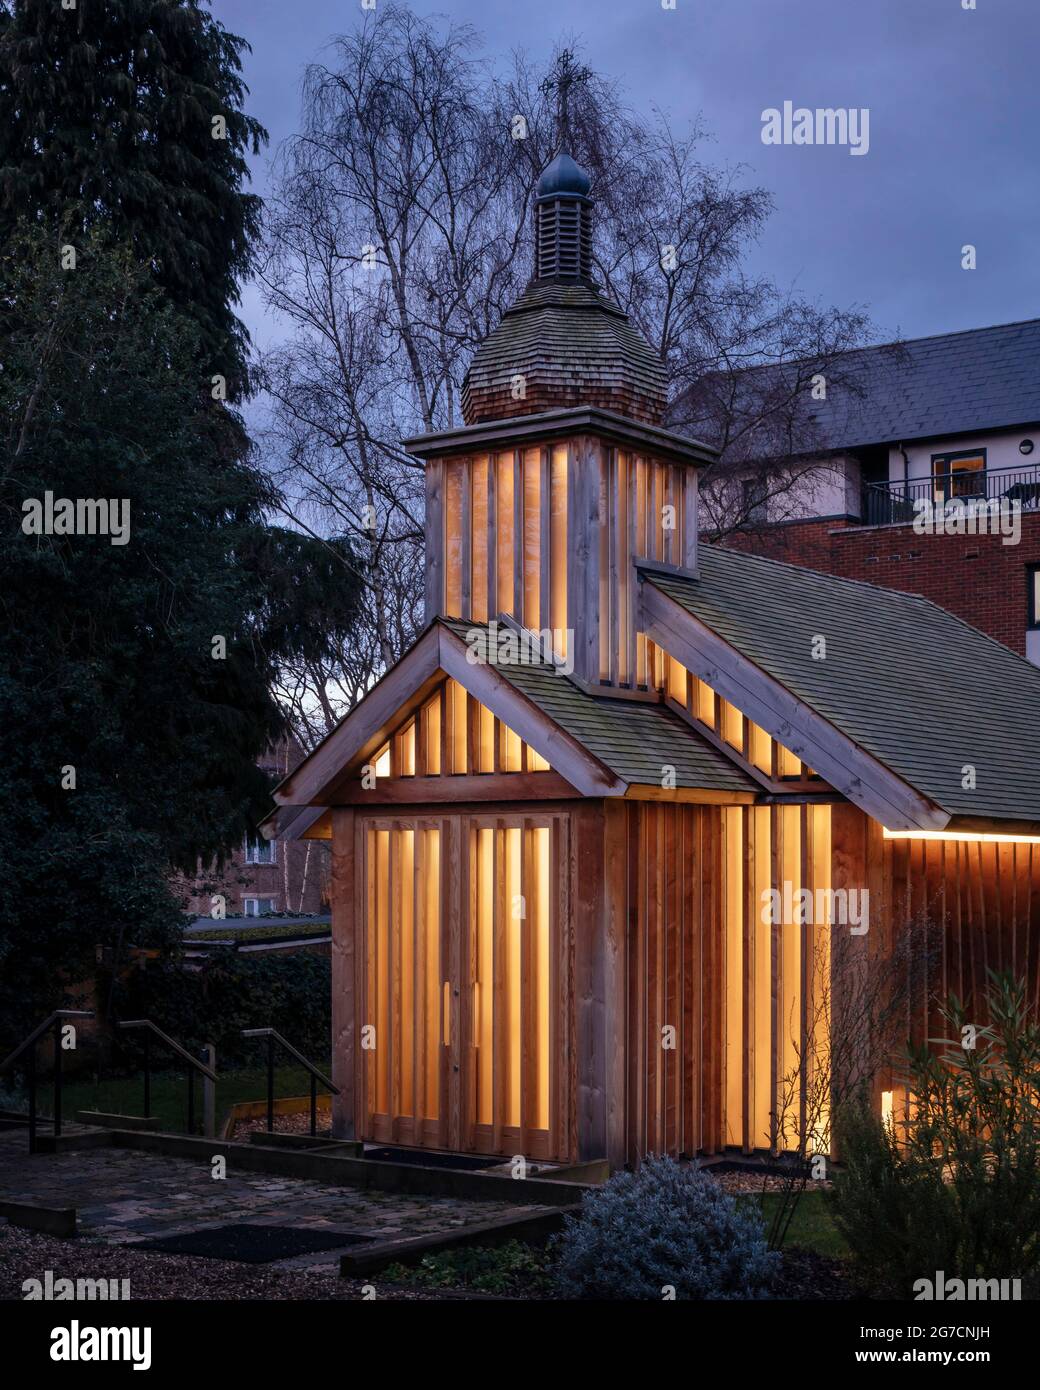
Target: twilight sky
954,111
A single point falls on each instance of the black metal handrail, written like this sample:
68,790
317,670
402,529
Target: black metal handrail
889,503
54,1021
194,1065
272,1035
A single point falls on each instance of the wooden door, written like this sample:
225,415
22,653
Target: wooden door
409,939
464,1038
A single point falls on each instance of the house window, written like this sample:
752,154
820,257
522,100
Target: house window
1033,596
959,475
260,851
256,907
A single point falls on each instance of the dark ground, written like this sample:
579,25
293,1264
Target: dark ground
26,1255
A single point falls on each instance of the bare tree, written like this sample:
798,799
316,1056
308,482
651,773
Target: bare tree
854,1022
398,234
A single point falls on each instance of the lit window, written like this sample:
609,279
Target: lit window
259,851
959,475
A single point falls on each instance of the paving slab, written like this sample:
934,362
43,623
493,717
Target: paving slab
126,1195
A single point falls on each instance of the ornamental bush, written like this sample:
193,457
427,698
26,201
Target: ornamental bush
667,1226
955,1185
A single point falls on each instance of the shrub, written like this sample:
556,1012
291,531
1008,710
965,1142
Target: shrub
955,1187
512,1268
289,992
667,1225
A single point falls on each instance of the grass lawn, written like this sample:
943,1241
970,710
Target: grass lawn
812,1225
125,1095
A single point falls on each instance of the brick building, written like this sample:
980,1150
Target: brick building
953,419
262,876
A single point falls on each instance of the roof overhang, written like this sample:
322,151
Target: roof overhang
847,767
318,781
551,424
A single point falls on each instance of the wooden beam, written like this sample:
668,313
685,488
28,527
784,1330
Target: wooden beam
699,796
614,928
505,786
810,737
590,980
565,754
400,692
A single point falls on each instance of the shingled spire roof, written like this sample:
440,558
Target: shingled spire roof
563,344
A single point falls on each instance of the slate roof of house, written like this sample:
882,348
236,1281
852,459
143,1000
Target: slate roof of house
636,739
911,684
954,383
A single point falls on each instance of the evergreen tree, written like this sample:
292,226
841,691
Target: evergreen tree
127,115
135,676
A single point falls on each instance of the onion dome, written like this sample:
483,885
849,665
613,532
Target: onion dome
563,343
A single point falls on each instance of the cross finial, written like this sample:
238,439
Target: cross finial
566,73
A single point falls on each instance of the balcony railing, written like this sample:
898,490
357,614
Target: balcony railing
888,504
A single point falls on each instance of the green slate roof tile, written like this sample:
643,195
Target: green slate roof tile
636,739
910,683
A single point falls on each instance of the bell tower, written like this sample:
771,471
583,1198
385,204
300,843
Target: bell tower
562,475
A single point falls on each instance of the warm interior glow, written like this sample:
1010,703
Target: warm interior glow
431,727
403,973
480,598
511,929
558,549
453,539
733,832
985,839
532,538
505,540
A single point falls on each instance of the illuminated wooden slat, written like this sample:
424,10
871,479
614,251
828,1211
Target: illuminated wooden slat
528,1039
493,607
517,608
481,597
498,987
614,566
466,541
544,542
420,985
559,537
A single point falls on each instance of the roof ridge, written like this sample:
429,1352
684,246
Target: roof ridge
878,588
934,337
822,574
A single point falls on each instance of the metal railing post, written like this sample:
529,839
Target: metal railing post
28,1047
191,1101
147,1076
209,1094
274,1037
31,1068
270,1084
57,1078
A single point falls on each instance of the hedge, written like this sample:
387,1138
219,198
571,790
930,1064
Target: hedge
230,992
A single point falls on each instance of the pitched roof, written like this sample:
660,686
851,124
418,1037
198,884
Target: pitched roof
953,383
635,739
912,685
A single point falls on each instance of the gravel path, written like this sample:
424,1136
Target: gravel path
27,1255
